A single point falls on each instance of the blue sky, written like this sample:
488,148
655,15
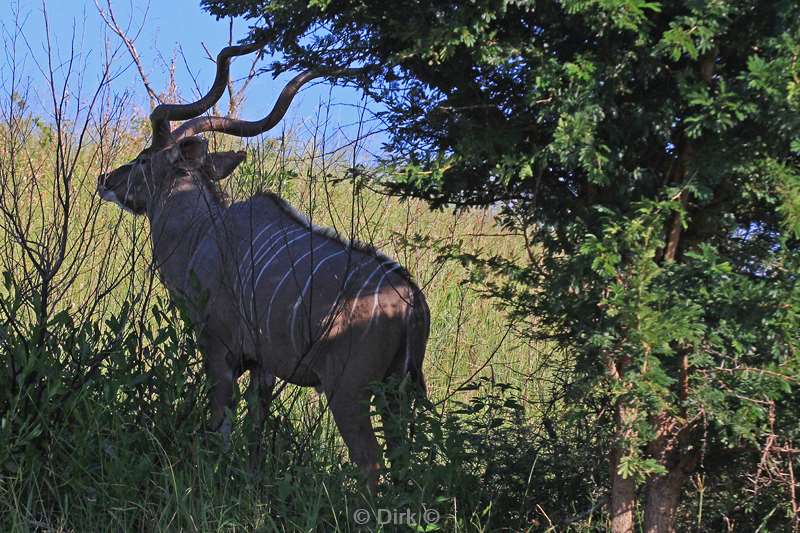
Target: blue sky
172,26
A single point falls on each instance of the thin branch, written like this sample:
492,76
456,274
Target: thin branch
111,21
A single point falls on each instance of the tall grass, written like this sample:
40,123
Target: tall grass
103,421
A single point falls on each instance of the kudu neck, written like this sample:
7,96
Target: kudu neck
179,219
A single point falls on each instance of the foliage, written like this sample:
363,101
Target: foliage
103,402
648,151
483,453
103,425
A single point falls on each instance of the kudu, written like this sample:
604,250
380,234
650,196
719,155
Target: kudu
268,291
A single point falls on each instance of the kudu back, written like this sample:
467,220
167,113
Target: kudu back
269,292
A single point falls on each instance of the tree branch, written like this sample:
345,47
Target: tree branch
111,21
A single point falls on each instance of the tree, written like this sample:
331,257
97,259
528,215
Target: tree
650,153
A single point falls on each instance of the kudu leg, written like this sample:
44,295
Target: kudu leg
259,397
351,413
222,381
395,427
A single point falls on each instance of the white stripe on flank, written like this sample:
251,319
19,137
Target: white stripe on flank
299,301
283,279
377,293
379,267
250,250
269,243
272,242
343,290
306,233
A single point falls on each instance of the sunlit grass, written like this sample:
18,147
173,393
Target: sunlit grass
116,467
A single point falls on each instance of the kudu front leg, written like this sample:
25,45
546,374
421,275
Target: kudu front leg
259,397
222,381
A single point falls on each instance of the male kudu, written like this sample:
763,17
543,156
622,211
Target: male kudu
268,291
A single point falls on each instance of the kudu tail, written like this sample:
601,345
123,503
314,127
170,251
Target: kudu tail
418,325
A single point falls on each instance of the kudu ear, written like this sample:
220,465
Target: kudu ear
220,165
189,153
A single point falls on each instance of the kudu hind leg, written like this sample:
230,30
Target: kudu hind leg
351,413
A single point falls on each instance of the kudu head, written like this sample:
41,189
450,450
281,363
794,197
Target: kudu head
174,154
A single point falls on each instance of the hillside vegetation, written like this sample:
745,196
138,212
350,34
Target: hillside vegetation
103,404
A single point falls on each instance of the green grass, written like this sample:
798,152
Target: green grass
124,449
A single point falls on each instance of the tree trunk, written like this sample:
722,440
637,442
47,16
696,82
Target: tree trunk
623,491
663,494
623,497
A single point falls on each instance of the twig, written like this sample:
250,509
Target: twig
111,21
